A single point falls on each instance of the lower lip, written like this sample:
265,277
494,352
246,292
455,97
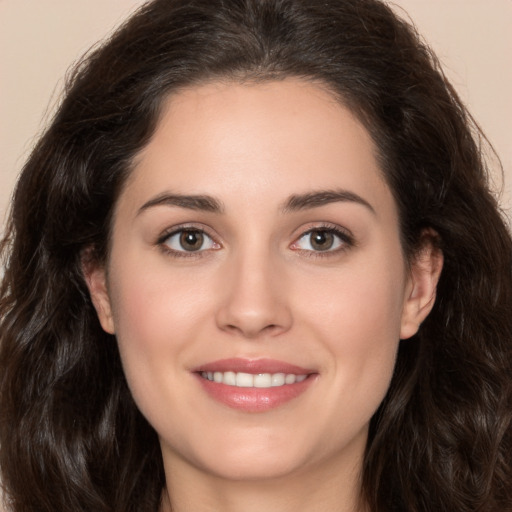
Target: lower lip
254,399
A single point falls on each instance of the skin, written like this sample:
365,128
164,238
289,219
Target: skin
259,289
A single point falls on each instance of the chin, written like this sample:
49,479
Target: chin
259,456
259,468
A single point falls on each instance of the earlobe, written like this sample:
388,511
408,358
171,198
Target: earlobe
422,284
96,280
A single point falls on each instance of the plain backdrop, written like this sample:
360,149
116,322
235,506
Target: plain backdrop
40,39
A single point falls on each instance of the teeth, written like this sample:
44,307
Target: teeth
278,379
244,380
289,379
263,380
248,380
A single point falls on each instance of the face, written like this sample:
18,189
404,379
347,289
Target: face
256,282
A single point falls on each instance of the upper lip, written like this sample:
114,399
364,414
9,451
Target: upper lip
253,366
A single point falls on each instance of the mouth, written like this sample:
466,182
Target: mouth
253,385
249,380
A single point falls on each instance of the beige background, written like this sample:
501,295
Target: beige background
39,39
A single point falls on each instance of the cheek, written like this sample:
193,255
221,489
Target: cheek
157,317
363,303
358,317
151,304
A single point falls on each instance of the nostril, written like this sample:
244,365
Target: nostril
252,331
253,314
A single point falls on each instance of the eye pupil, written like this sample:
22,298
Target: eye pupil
191,240
321,240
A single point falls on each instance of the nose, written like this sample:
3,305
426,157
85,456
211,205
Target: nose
254,301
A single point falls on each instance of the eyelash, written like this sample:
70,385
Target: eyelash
161,242
345,239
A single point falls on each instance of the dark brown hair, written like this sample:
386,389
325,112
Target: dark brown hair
71,436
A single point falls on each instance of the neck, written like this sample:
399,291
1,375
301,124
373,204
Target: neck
325,489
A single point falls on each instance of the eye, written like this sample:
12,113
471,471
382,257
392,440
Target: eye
189,240
323,240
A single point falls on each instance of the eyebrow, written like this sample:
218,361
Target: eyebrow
319,198
191,202
296,202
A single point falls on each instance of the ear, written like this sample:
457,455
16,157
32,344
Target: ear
96,279
422,284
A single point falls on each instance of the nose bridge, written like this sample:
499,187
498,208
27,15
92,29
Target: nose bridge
254,299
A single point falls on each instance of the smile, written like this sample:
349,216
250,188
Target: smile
249,380
254,385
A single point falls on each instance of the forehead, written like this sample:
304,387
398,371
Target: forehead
255,141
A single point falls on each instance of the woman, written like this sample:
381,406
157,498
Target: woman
222,267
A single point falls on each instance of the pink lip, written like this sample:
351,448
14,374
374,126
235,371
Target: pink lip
252,366
254,399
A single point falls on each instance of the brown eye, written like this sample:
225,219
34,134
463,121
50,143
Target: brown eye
321,240
191,240
328,240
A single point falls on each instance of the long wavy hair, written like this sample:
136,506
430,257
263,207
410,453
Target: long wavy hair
72,439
